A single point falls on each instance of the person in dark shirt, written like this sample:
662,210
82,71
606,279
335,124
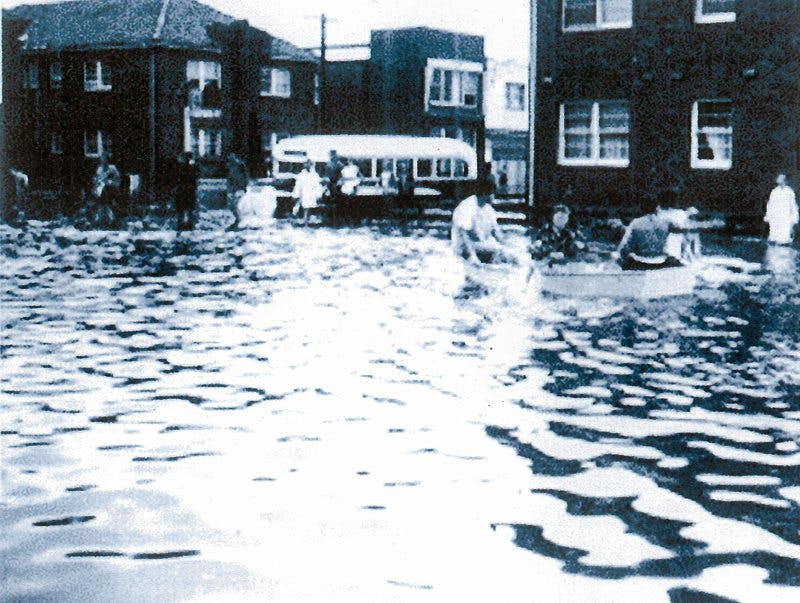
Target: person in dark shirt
186,190
644,245
238,179
556,241
333,174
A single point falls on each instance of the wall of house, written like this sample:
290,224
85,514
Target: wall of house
662,65
347,97
498,115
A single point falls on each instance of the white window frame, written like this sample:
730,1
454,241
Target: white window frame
456,87
598,22
31,81
283,91
213,68
709,164
508,86
702,17
95,83
209,143
594,146
98,136
56,143
56,75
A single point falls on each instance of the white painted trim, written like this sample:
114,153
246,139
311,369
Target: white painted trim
598,25
707,164
701,17
454,65
594,128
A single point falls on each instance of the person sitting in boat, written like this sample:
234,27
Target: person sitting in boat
556,242
643,246
474,233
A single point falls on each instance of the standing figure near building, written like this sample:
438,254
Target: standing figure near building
781,213
106,183
307,191
17,185
350,178
333,173
186,190
238,179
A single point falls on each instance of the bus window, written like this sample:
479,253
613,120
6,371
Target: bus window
387,165
403,164
443,168
320,166
365,167
460,169
424,168
290,167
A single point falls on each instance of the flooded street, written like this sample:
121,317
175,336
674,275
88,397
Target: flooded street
330,414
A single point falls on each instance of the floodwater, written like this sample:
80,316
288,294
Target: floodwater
330,414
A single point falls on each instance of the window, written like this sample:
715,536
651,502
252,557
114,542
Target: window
443,168
468,135
515,96
31,81
96,77
204,79
712,134
424,168
715,11
207,142
56,75
461,170
584,15
276,81
57,143
453,83
96,143
595,133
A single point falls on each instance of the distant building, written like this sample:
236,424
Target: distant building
506,108
145,80
638,96
416,81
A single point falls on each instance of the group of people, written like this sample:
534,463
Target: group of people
665,236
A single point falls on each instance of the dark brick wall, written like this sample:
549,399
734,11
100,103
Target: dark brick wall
348,93
663,64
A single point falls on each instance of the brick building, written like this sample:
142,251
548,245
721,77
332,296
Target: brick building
146,80
638,96
416,81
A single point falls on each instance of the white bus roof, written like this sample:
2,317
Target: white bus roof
366,146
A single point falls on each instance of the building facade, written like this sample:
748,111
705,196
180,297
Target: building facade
506,108
144,80
638,96
415,81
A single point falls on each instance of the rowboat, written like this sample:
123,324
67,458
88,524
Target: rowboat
583,281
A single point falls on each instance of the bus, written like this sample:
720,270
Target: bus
440,166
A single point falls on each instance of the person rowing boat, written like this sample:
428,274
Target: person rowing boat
644,244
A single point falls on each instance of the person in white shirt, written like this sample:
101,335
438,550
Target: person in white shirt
474,232
781,213
351,177
307,190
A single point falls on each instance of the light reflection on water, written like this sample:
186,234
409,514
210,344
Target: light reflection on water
317,414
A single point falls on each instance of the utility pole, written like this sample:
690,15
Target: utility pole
534,27
322,121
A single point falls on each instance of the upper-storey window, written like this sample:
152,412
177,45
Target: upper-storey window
56,75
96,76
595,133
585,15
453,83
715,11
204,80
515,96
276,81
31,81
712,134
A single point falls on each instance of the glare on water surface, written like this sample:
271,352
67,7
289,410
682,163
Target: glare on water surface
340,414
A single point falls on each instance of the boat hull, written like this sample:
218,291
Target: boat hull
640,284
